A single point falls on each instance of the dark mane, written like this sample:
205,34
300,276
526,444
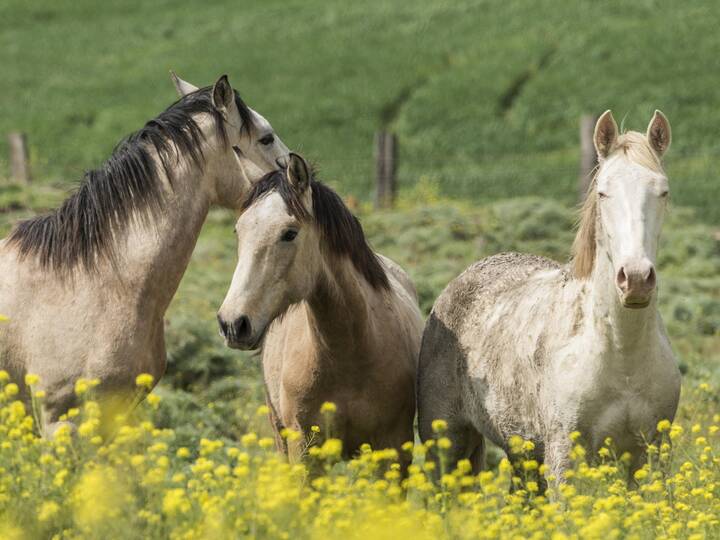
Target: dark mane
340,231
123,189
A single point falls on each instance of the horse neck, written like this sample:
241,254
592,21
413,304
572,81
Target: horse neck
622,329
338,312
155,254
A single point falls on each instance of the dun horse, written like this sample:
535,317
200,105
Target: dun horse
519,345
336,321
86,286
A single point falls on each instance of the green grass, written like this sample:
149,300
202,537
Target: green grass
79,75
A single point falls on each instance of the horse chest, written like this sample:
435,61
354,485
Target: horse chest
625,408
622,413
367,408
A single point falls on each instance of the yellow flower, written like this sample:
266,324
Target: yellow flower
267,442
12,390
183,452
60,477
439,426
249,439
3,318
449,481
31,379
175,502
663,426
444,443
328,408
4,376
262,410
95,497
48,510
331,448
640,474
144,380
516,443
81,387
87,428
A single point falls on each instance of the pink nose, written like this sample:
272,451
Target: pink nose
636,280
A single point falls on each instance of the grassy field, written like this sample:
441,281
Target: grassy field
197,462
485,96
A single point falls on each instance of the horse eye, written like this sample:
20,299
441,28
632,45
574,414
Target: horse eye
289,235
602,195
267,139
664,194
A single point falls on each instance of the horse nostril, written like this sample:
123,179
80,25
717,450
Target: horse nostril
223,325
241,328
621,278
651,278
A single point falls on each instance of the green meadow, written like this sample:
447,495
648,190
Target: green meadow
485,96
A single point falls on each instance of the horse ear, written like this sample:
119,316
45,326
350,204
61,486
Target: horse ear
658,133
222,94
183,88
298,173
606,133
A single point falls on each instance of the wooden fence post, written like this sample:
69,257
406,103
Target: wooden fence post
588,155
385,167
19,161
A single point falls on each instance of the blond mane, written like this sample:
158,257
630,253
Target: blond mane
636,148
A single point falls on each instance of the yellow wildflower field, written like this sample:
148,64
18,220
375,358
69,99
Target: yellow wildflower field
140,484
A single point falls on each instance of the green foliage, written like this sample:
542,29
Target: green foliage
485,96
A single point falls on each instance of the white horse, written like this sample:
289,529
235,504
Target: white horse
87,285
519,345
336,321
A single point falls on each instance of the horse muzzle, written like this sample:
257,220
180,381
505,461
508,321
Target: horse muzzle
239,334
636,282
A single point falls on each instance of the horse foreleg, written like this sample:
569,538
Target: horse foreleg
557,458
277,427
477,457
